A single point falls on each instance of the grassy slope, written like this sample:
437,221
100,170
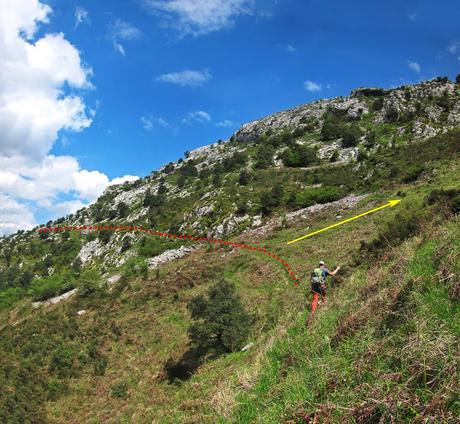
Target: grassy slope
355,352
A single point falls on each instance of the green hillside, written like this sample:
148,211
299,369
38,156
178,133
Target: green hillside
385,346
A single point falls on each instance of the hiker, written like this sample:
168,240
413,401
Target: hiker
318,283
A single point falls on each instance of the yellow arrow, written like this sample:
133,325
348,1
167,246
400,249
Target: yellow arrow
391,203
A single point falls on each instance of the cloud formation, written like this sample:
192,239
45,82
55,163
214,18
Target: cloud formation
149,122
226,123
119,31
41,86
312,86
199,17
81,16
186,78
415,67
198,116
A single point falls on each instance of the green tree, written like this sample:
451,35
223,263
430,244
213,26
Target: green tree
457,79
351,135
104,236
122,210
271,199
220,322
264,156
245,177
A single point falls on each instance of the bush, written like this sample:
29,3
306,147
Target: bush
264,156
351,136
181,181
150,200
136,267
189,170
151,246
457,79
47,287
104,236
335,156
447,198
299,156
377,105
313,196
89,284
331,129
391,114
220,322
271,199
122,210
236,161
245,178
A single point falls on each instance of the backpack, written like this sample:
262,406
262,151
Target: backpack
317,276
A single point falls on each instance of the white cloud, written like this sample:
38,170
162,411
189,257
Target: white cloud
289,48
198,116
415,67
122,31
187,78
81,16
14,216
200,17
311,86
121,180
454,49
412,16
149,121
37,103
226,123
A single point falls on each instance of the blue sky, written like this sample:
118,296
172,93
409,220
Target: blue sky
165,76
255,67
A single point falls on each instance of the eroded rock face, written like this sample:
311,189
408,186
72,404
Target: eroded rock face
54,300
170,255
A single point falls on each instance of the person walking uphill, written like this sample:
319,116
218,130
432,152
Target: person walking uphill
318,284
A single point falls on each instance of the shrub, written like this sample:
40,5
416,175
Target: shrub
298,156
89,284
221,323
271,199
242,208
351,135
61,363
47,287
264,156
236,161
150,200
189,170
313,196
447,198
391,114
457,79
181,181
331,129
151,246
245,177
335,156
104,236
136,267
123,210
168,168
377,104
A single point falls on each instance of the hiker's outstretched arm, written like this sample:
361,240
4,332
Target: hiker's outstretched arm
335,271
